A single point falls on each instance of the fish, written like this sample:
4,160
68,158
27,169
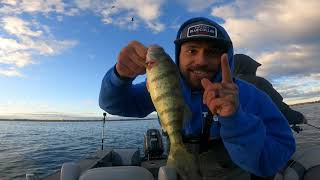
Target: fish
163,83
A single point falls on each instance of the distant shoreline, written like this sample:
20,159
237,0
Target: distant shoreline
313,102
124,118
64,120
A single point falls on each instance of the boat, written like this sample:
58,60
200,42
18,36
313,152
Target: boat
117,163
123,164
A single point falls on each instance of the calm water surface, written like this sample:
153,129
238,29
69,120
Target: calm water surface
42,147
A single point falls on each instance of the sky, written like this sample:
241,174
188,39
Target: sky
54,53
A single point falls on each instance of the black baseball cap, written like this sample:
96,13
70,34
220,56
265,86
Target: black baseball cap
202,29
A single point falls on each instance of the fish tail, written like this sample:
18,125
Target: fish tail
183,161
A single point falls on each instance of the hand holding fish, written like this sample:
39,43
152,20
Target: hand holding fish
131,60
221,98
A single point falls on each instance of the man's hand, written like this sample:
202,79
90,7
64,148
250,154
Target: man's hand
221,98
131,60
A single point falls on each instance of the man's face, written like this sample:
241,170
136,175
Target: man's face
198,60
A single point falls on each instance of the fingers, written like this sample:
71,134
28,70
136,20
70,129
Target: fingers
210,89
212,95
231,86
140,49
222,106
126,66
219,89
205,83
226,71
136,62
131,60
221,98
123,70
138,53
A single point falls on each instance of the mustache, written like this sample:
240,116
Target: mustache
200,68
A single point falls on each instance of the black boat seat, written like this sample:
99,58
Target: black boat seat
117,173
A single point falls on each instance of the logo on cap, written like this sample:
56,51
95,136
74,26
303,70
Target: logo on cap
202,30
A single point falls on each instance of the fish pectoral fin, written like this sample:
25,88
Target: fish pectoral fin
187,116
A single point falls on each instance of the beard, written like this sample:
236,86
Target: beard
194,74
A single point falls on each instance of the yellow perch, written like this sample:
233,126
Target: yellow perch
166,94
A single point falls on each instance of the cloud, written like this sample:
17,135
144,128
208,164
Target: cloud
290,60
118,12
84,4
17,59
10,45
121,12
303,86
197,5
24,40
32,6
283,36
316,76
9,2
11,72
259,23
18,27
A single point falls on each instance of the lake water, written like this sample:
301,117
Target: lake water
42,147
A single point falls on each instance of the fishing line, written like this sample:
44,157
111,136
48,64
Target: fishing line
306,122
313,126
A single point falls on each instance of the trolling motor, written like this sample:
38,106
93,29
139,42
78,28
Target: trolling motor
153,145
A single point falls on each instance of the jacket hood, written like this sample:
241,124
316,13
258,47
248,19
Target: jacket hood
210,31
245,65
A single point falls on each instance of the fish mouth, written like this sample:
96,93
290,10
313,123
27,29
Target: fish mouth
154,52
149,60
149,63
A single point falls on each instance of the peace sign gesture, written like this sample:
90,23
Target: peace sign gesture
221,98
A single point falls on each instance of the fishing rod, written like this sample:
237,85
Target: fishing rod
104,122
313,126
298,129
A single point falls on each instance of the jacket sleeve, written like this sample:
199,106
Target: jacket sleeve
121,97
258,137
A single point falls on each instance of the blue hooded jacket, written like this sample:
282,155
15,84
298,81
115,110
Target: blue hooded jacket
257,136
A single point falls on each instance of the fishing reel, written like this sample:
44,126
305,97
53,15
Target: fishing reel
153,145
296,128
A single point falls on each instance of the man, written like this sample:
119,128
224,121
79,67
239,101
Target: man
245,68
250,131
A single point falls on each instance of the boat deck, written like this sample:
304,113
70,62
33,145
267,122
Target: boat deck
103,158
84,164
